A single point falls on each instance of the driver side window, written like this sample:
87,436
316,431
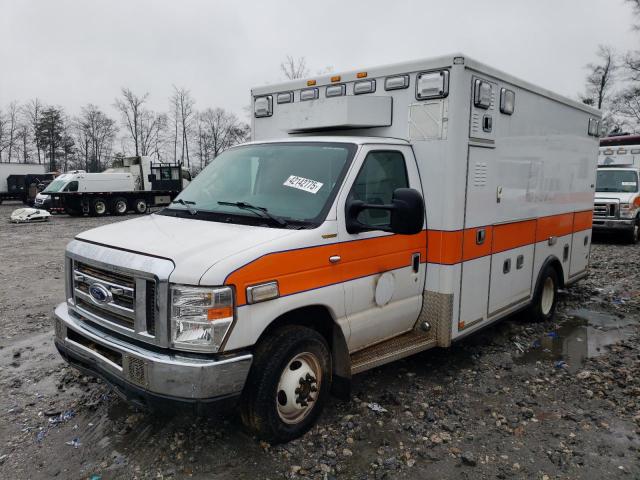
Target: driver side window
72,186
382,172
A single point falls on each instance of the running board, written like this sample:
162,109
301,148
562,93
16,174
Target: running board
390,350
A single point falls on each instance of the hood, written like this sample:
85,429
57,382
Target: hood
193,245
621,197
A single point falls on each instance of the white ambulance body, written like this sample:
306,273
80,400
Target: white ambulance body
376,214
504,192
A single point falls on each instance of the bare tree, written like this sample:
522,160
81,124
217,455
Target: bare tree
627,105
600,78
130,107
151,126
3,133
183,104
294,67
635,5
12,128
95,133
220,130
32,111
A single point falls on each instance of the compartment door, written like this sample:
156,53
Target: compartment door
476,250
580,246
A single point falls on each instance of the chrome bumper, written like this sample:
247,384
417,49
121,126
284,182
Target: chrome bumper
137,372
613,224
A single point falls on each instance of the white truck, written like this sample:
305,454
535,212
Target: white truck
376,214
132,183
617,201
12,179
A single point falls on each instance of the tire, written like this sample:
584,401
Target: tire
119,206
140,206
545,300
272,403
633,237
98,207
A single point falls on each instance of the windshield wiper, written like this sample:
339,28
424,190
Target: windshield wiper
187,203
256,209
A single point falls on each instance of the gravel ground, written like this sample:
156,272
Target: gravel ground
519,400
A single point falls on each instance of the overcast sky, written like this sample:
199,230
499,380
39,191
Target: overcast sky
72,52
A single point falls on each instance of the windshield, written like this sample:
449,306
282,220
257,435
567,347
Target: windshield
56,186
295,182
617,181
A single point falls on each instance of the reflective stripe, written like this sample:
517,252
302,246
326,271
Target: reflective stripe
308,268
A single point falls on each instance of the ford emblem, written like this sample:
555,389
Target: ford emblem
99,293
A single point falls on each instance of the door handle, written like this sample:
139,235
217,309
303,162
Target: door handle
481,234
334,258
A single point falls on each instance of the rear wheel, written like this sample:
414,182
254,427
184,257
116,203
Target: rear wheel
288,385
545,299
140,206
119,206
98,207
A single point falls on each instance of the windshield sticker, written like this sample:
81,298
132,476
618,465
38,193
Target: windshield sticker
628,184
302,183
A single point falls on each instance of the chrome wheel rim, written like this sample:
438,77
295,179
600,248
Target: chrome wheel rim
121,207
141,206
548,294
298,388
100,208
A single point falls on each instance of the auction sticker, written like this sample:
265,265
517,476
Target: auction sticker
302,183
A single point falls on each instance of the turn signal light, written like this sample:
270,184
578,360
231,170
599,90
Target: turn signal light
361,75
311,83
335,79
218,313
636,202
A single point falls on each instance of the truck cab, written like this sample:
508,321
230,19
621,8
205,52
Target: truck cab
376,214
617,200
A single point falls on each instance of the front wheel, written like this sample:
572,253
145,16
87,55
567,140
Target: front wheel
288,385
545,298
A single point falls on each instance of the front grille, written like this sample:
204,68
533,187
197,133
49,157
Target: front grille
605,210
115,297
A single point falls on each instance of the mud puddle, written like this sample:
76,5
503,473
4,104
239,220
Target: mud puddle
584,335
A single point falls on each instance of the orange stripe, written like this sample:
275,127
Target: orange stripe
554,226
471,249
513,235
582,220
309,268
444,247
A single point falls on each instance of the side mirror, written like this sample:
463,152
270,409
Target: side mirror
407,213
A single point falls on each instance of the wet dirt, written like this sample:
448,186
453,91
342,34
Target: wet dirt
585,334
495,405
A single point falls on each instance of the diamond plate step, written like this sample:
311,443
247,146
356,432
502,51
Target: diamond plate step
390,350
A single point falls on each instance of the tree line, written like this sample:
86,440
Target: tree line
35,132
613,85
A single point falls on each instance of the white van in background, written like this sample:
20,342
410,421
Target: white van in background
617,201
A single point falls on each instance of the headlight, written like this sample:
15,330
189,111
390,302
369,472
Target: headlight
200,317
628,210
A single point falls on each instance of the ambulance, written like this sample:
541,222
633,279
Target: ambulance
617,201
376,214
